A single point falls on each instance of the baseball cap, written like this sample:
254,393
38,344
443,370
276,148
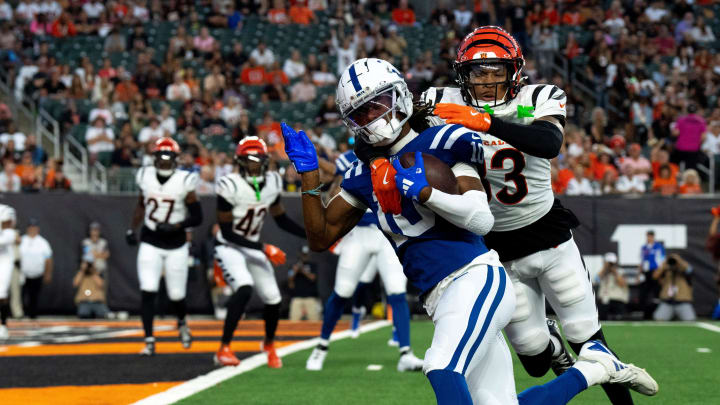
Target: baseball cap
33,222
610,257
94,225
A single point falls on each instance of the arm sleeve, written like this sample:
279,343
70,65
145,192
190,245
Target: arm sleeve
288,225
541,139
468,211
195,216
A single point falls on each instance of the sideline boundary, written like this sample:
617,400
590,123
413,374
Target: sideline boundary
203,382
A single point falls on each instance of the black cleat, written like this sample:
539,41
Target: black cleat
564,360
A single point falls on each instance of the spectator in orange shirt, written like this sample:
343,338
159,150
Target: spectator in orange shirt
253,74
403,15
572,16
278,14
603,164
269,130
550,13
126,89
63,27
276,71
301,14
29,176
690,183
661,157
666,183
54,177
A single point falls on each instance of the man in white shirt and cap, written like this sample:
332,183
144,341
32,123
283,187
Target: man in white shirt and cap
36,265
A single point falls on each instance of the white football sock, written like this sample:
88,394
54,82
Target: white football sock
592,371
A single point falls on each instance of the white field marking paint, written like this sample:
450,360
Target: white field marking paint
645,323
708,326
374,367
703,350
215,377
29,344
85,338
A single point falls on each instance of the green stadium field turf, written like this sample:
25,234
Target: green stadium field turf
669,352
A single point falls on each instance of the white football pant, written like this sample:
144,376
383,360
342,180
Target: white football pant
558,274
359,248
152,260
244,266
6,268
469,309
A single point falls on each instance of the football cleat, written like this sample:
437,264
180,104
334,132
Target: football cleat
4,334
185,336
617,372
408,362
393,341
316,360
357,315
564,360
225,357
149,349
273,359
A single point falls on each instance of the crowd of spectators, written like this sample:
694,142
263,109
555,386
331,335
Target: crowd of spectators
652,126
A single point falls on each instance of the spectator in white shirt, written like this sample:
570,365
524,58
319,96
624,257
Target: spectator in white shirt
36,265
263,56
579,185
322,77
178,90
702,32
151,133
631,181
6,12
95,249
294,67
14,135
51,8
9,181
101,110
93,9
656,11
463,16
140,12
304,90
99,138
206,185
167,121
711,139
347,53
26,10
231,112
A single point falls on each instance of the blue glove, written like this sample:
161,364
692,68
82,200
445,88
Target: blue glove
412,180
299,149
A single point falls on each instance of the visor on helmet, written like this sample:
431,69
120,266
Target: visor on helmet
382,105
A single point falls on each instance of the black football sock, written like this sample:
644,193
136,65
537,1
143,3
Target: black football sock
617,394
147,311
4,312
180,308
271,315
539,364
235,308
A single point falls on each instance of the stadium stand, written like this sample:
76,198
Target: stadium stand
637,75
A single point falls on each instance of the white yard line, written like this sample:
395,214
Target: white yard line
708,326
215,377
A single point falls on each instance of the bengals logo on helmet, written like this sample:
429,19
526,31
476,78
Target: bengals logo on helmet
166,145
489,45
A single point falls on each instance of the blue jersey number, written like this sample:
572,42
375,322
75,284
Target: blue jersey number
414,221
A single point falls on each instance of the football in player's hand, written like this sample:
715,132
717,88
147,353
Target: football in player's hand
439,175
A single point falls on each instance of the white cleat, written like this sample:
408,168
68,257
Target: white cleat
316,360
393,343
4,334
355,333
617,372
408,362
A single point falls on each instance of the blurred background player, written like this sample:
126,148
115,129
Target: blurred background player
244,199
523,126
437,237
365,245
8,239
713,246
167,206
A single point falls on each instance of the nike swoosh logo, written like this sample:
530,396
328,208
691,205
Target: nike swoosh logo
562,105
385,177
474,113
475,136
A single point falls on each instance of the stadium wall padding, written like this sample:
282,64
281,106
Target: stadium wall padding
64,220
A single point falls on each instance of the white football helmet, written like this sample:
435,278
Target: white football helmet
7,213
374,100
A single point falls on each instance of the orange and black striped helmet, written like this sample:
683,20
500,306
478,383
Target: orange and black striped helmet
484,48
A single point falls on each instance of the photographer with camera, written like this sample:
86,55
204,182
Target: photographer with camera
676,295
613,290
90,296
713,246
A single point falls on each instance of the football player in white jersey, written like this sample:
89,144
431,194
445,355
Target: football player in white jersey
532,232
167,206
244,199
8,238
